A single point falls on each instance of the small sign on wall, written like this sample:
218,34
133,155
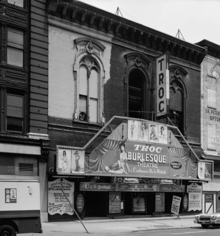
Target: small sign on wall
10,195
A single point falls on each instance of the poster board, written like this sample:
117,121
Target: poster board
159,202
114,202
57,202
175,208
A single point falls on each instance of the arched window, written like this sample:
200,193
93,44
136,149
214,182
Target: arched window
136,102
178,96
177,105
88,85
137,82
89,75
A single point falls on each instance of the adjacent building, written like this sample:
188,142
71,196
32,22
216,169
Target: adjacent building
210,117
24,141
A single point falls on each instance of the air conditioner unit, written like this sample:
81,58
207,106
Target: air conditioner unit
82,116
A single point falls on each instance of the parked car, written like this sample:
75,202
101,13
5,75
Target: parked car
208,219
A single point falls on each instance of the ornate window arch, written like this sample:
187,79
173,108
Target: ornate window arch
89,75
137,85
178,96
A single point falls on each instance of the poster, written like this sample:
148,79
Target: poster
80,203
143,131
138,204
162,134
133,130
10,195
159,202
175,208
195,201
64,160
114,202
57,202
153,133
70,161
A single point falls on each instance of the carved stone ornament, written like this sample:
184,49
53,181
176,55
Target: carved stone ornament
138,62
89,47
177,74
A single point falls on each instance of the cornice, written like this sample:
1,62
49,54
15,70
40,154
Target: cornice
121,28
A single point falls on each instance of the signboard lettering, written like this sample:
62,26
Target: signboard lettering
161,76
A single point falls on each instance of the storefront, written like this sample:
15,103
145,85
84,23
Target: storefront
138,169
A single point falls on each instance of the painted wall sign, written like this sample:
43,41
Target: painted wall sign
80,203
10,195
86,186
57,202
175,208
210,105
162,78
114,202
69,161
159,202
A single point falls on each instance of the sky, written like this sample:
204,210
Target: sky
196,19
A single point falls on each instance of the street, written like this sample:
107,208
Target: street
178,232
122,227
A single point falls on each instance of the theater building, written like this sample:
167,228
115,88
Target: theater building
117,147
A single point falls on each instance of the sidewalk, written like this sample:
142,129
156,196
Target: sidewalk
116,226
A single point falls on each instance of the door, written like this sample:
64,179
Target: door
209,203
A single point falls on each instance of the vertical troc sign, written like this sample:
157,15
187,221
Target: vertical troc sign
162,74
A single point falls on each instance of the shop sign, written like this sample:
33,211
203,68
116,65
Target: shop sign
80,203
175,208
114,202
137,187
10,195
194,188
69,161
159,202
57,202
171,188
205,170
162,78
86,186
